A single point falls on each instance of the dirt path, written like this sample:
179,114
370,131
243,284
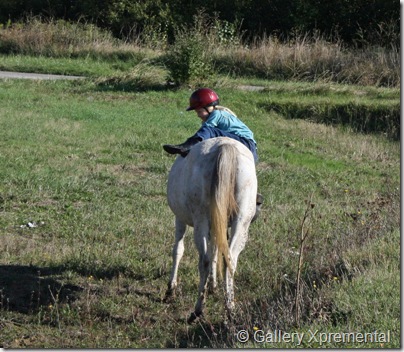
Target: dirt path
23,75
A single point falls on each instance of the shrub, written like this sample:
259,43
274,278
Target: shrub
188,58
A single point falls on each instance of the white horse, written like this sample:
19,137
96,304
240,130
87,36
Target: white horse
212,188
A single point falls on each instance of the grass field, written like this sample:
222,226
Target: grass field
87,233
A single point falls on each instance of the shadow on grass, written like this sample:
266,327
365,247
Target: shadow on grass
25,289
116,85
204,334
361,118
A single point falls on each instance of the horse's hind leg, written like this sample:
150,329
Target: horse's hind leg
237,244
201,234
178,251
213,270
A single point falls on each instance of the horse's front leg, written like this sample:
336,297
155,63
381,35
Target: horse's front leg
201,234
178,251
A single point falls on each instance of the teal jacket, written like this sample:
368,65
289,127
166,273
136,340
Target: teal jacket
227,122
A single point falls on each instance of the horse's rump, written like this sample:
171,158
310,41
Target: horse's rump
193,179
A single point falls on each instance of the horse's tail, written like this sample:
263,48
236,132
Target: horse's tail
223,204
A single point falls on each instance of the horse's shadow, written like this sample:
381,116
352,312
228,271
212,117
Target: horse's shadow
25,289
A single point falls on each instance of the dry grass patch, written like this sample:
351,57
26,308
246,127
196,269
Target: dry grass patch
312,59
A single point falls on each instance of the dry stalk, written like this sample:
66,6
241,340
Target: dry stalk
304,232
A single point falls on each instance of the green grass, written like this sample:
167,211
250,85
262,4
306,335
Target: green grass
84,161
85,66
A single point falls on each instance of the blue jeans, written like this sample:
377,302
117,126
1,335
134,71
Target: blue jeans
206,132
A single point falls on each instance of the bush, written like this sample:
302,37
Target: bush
188,58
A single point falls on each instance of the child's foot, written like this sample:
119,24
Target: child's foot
183,148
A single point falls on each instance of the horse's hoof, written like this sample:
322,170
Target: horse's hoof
168,299
212,290
194,317
169,296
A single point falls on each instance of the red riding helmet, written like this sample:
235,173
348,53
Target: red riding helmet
202,98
